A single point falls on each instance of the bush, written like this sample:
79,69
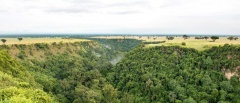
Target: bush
183,43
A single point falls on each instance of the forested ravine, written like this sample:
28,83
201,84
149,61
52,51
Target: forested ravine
90,72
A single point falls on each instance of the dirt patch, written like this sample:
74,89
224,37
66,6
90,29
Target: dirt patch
229,57
229,74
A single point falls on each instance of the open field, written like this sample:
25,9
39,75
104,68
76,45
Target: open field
199,44
29,41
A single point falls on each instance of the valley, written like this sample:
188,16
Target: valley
120,70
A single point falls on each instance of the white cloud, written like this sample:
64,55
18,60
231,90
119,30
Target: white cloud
120,16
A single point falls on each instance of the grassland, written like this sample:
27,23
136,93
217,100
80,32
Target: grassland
200,44
29,41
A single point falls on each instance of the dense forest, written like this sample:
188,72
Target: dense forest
82,72
60,72
174,74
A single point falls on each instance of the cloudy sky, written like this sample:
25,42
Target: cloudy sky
120,16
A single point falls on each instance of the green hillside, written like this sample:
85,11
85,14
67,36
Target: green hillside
174,74
17,85
84,72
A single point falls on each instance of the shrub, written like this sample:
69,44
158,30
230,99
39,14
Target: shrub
183,43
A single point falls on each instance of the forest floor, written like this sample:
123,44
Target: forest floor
199,44
29,41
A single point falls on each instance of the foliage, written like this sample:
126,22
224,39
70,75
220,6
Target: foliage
3,40
17,85
175,74
85,75
20,39
170,38
183,43
185,37
214,38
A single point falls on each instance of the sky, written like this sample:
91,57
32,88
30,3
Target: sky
120,16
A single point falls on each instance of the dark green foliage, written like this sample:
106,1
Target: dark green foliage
206,37
78,79
165,74
235,38
20,39
214,38
185,37
3,40
170,38
41,46
230,38
183,43
118,44
17,85
175,74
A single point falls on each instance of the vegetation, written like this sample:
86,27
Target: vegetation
82,72
170,38
206,37
3,40
235,38
20,39
75,75
17,85
214,38
173,74
232,38
185,37
183,43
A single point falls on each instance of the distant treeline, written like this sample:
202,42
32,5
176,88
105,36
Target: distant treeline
156,42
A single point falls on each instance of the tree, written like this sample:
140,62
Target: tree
20,39
206,37
226,86
185,37
3,40
172,96
214,38
189,100
110,94
235,38
230,38
170,38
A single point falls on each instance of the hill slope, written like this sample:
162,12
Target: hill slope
17,85
175,74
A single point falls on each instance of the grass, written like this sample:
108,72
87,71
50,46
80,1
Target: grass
29,41
200,45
